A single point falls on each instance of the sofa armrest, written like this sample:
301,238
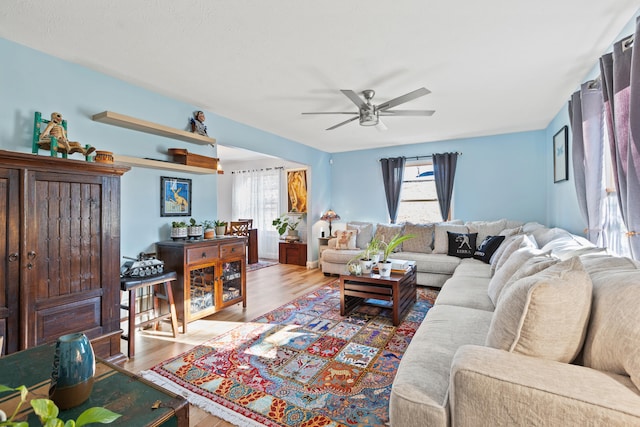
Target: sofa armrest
495,387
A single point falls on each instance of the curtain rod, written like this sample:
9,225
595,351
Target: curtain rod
257,170
426,156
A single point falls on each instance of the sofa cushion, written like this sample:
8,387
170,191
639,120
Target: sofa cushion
502,275
613,338
466,291
568,246
441,238
432,263
487,247
486,228
462,245
419,395
519,242
339,256
385,232
365,232
474,268
346,239
423,240
544,315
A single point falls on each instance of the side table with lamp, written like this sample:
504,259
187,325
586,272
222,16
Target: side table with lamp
329,216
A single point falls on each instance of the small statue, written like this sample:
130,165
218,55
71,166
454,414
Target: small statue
55,129
197,123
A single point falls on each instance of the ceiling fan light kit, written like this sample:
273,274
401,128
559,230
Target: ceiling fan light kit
369,114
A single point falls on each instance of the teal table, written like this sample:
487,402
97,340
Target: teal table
114,388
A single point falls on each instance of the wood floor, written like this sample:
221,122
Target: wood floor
267,289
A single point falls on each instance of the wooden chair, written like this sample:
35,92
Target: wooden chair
238,228
248,220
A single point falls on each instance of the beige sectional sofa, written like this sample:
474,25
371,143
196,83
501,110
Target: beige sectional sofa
545,333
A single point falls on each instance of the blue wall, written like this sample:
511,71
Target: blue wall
500,176
32,81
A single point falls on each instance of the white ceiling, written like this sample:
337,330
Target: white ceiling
493,66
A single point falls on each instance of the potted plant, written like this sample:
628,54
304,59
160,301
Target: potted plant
285,223
221,227
209,229
194,230
384,266
179,230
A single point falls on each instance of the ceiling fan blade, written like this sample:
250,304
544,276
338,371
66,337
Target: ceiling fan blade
342,123
334,112
355,99
407,113
381,127
404,98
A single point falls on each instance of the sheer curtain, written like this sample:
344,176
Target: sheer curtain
256,194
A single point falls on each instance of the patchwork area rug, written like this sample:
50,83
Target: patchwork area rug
260,264
300,365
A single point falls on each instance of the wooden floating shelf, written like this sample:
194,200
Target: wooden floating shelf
132,123
159,164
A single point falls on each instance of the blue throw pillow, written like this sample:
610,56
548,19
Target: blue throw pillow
462,245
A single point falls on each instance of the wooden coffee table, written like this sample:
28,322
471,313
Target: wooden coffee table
397,292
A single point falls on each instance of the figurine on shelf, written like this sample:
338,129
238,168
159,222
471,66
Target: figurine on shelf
197,123
55,129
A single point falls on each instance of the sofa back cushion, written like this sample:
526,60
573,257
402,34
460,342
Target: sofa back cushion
365,232
423,240
544,315
508,247
385,232
441,238
613,337
502,275
486,228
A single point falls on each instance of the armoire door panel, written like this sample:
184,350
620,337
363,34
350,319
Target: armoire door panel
10,256
63,319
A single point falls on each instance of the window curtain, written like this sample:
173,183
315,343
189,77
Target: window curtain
444,172
256,194
621,92
586,117
392,174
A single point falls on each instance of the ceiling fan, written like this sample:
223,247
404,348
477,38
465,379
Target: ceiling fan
369,114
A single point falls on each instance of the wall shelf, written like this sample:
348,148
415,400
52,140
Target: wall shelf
159,164
111,118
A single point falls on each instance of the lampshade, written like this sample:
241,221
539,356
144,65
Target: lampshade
329,215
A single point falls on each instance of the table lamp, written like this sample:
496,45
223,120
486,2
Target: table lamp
329,216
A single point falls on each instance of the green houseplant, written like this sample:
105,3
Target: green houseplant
221,227
179,230
285,223
209,228
368,258
194,229
48,412
384,266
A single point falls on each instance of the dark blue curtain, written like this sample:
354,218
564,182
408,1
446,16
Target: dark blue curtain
444,172
392,173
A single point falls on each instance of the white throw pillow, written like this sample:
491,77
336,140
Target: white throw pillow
544,315
520,241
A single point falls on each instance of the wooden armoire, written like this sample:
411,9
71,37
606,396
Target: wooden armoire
60,251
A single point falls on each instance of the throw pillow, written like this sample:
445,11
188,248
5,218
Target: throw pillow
613,338
507,270
365,233
423,239
488,246
385,232
346,239
544,315
441,238
519,242
462,245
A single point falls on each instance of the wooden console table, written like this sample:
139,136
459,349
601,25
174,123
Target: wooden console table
211,274
114,388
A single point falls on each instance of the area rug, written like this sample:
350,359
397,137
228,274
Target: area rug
263,263
299,365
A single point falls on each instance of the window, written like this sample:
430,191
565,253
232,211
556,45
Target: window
418,197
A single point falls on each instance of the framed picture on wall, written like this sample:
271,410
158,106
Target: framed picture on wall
297,190
560,155
175,196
